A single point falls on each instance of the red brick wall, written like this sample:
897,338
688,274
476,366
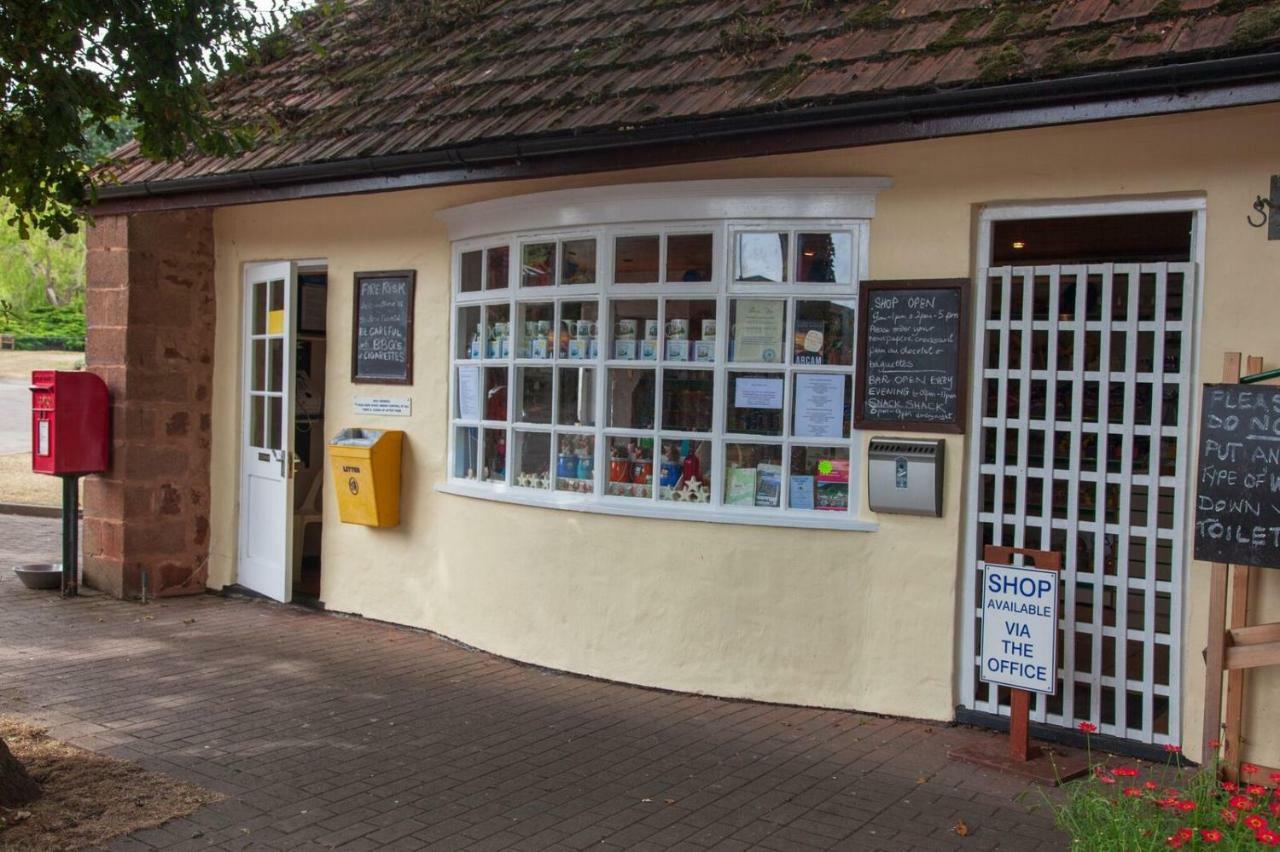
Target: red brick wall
150,309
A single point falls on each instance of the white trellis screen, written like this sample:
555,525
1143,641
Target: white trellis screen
1080,406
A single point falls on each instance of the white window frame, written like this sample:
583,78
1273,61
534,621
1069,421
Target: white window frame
606,213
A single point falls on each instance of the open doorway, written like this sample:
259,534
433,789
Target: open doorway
308,433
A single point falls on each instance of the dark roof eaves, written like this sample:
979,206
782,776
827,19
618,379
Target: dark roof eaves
1236,81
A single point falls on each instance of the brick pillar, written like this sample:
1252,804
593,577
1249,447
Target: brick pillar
150,311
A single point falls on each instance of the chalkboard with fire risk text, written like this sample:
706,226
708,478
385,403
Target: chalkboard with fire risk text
382,328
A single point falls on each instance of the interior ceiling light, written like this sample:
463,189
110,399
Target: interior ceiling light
1019,244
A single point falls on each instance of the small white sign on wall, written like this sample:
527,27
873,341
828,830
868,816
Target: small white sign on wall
391,406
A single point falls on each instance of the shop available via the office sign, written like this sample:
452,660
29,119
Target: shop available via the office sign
1020,628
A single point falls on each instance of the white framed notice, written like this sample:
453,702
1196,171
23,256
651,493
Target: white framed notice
1020,627
819,405
756,392
757,330
390,406
469,393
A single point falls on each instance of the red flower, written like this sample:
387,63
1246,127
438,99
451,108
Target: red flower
1105,779
1249,768
1269,838
1185,834
1186,806
1210,835
1256,790
1150,785
1275,777
1173,841
1215,743
1274,807
1255,821
1132,792
1088,728
1230,786
1228,817
1125,772
1172,749
1241,803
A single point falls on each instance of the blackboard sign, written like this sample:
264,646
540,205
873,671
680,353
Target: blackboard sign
382,329
912,355
1238,479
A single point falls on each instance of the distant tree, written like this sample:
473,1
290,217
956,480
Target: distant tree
70,68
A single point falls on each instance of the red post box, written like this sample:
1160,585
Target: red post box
70,423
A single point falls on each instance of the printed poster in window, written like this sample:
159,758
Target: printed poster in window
757,330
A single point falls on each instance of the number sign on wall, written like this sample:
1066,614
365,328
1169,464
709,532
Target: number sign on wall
382,329
1238,479
912,355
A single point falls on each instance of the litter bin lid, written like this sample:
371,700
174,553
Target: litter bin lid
356,438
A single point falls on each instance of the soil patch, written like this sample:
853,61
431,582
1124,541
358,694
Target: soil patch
88,798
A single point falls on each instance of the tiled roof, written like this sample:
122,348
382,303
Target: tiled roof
390,77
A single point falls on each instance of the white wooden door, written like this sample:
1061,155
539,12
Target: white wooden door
1082,392
266,477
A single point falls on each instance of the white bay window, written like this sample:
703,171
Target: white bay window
631,362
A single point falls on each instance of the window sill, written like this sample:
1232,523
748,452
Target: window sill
630,508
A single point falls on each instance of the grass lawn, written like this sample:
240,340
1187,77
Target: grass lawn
18,365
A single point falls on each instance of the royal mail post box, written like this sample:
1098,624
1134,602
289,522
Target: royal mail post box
365,468
70,423
904,475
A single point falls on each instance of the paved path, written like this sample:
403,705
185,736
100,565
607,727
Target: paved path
328,732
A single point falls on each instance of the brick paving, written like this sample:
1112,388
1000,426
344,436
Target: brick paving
325,732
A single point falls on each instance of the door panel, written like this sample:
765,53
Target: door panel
266,482
1081,401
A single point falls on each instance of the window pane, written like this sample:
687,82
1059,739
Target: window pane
579,330
691,330
825,258
274,426
275,364
533,460
819,478
535,394
498,273
470,333
536,329
752,475
465,452
575,464
824,333
257,421
495,455
630,471
495,393
537,265
497,331
685,471
687,400
762,258
822,405
259,380
578,262
635,329
755,403
631,398
472,268
577,397
758,327
689,257
259,307
635,260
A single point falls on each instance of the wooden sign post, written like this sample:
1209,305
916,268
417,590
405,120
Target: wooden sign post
1234,645
1020,652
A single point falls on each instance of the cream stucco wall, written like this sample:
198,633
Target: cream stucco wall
864,620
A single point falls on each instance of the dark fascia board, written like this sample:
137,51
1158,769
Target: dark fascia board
1209,84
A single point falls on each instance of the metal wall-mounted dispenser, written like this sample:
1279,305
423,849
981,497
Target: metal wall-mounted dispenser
904,475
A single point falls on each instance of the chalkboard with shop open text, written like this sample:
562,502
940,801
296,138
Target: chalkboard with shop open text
1238,476
912,355
382,328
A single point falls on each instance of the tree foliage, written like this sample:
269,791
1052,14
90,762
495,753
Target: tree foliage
70,69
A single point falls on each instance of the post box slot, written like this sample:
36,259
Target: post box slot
904,476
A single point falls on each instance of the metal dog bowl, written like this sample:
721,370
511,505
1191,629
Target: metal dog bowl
40,575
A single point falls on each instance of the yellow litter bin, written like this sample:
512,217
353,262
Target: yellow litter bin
365,464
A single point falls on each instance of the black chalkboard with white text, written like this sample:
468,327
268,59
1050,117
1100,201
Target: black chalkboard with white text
1238,477
912,355
382,330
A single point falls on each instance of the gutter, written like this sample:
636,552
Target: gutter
1183,87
